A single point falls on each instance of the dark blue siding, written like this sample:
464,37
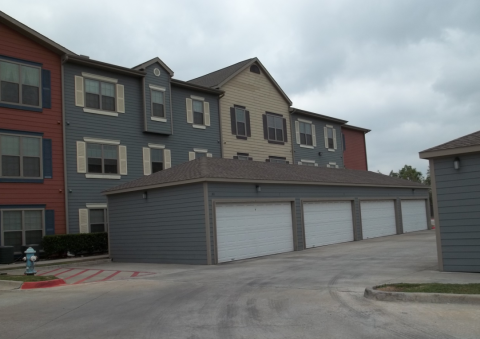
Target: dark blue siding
162,81
458,196
47,159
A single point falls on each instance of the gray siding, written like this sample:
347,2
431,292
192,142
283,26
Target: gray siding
163,81
312,154
128,127
167,227
248,191
458,195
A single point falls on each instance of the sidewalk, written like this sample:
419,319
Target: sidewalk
57,263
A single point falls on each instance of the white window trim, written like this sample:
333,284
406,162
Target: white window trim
194,97
200,150
199,126
332,165
101,141
96,206
329,126
331,150
309,161
21,156
158,119
307,146
102,176
305,121
23,220
97,111
99,77
105,216
158,146
157,88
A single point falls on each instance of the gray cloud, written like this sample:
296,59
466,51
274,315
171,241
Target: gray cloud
409,70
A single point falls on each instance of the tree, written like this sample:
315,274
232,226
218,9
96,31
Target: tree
408,173
427,178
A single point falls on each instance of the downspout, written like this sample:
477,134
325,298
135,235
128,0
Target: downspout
220,125
144,105
171,106
63,60
293,136
365,145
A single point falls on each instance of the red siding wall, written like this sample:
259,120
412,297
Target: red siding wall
49,122
355,155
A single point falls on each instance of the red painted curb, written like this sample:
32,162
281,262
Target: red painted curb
42,284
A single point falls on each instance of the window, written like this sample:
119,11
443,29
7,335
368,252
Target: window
198,153
98,221
330,138
242,156
19,84
255,69
21,227
20,156
306,134
198,112
278,160
158,107
275,125
308,163
99,95
102,158
332,165
157,159
241,121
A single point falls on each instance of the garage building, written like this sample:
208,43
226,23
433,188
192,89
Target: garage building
213,210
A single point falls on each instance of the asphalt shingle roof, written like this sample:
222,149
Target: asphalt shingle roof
472,139
230,170
215,78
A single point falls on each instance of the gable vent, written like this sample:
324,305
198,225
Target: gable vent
255,69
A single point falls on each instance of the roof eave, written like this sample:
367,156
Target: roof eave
364,130
151,62
103,65
188,85
448,152
316,115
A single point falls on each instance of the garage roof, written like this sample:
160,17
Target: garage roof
466,144
230,170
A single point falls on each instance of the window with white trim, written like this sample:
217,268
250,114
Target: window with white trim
307,163
198,153
305,133
99,95
20,84
97,220
332,165
158,106
20,156
156,158
198,112
278,160
330,136
22,227
275,128
102,159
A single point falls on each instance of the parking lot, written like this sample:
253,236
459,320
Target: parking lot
316,293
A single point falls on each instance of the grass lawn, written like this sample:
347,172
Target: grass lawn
27,278
432,288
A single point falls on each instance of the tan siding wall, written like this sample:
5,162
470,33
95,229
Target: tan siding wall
258,95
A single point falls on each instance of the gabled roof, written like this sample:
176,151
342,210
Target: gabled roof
32,34
466,144
361,129
219,78
83,60
316,115
230,170
142,67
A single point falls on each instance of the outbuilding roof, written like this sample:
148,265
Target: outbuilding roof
230,170
466,144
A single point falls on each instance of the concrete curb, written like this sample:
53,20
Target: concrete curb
6,285
436,298
60,265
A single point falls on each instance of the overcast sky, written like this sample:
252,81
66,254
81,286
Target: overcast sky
407,70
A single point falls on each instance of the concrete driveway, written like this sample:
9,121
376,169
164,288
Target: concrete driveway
316,293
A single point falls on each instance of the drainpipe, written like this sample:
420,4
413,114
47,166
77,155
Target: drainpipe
65,180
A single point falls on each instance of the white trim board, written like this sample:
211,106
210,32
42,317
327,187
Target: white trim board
102,141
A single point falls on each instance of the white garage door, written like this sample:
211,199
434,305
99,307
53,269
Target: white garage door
327,223
414,215
378,218
253,229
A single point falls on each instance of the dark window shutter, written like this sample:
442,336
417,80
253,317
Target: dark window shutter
234,120
247,119
285,138
47,159
265,127
250,158
235,157
49,222
267,160
46,89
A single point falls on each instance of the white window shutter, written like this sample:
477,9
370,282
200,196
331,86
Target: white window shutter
191,156
122,155
299,162
81,157
147,165
79,92
189,111
206,113
120,99
167,158
334,138
297,131
316,165
314,136
83,220
209,155
325,133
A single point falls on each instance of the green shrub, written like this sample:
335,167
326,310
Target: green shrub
75,243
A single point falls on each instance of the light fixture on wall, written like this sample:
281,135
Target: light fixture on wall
456,163
145,195
259,189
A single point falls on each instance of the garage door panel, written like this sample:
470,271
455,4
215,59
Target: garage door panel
327,223
253,229
414,215
378,218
